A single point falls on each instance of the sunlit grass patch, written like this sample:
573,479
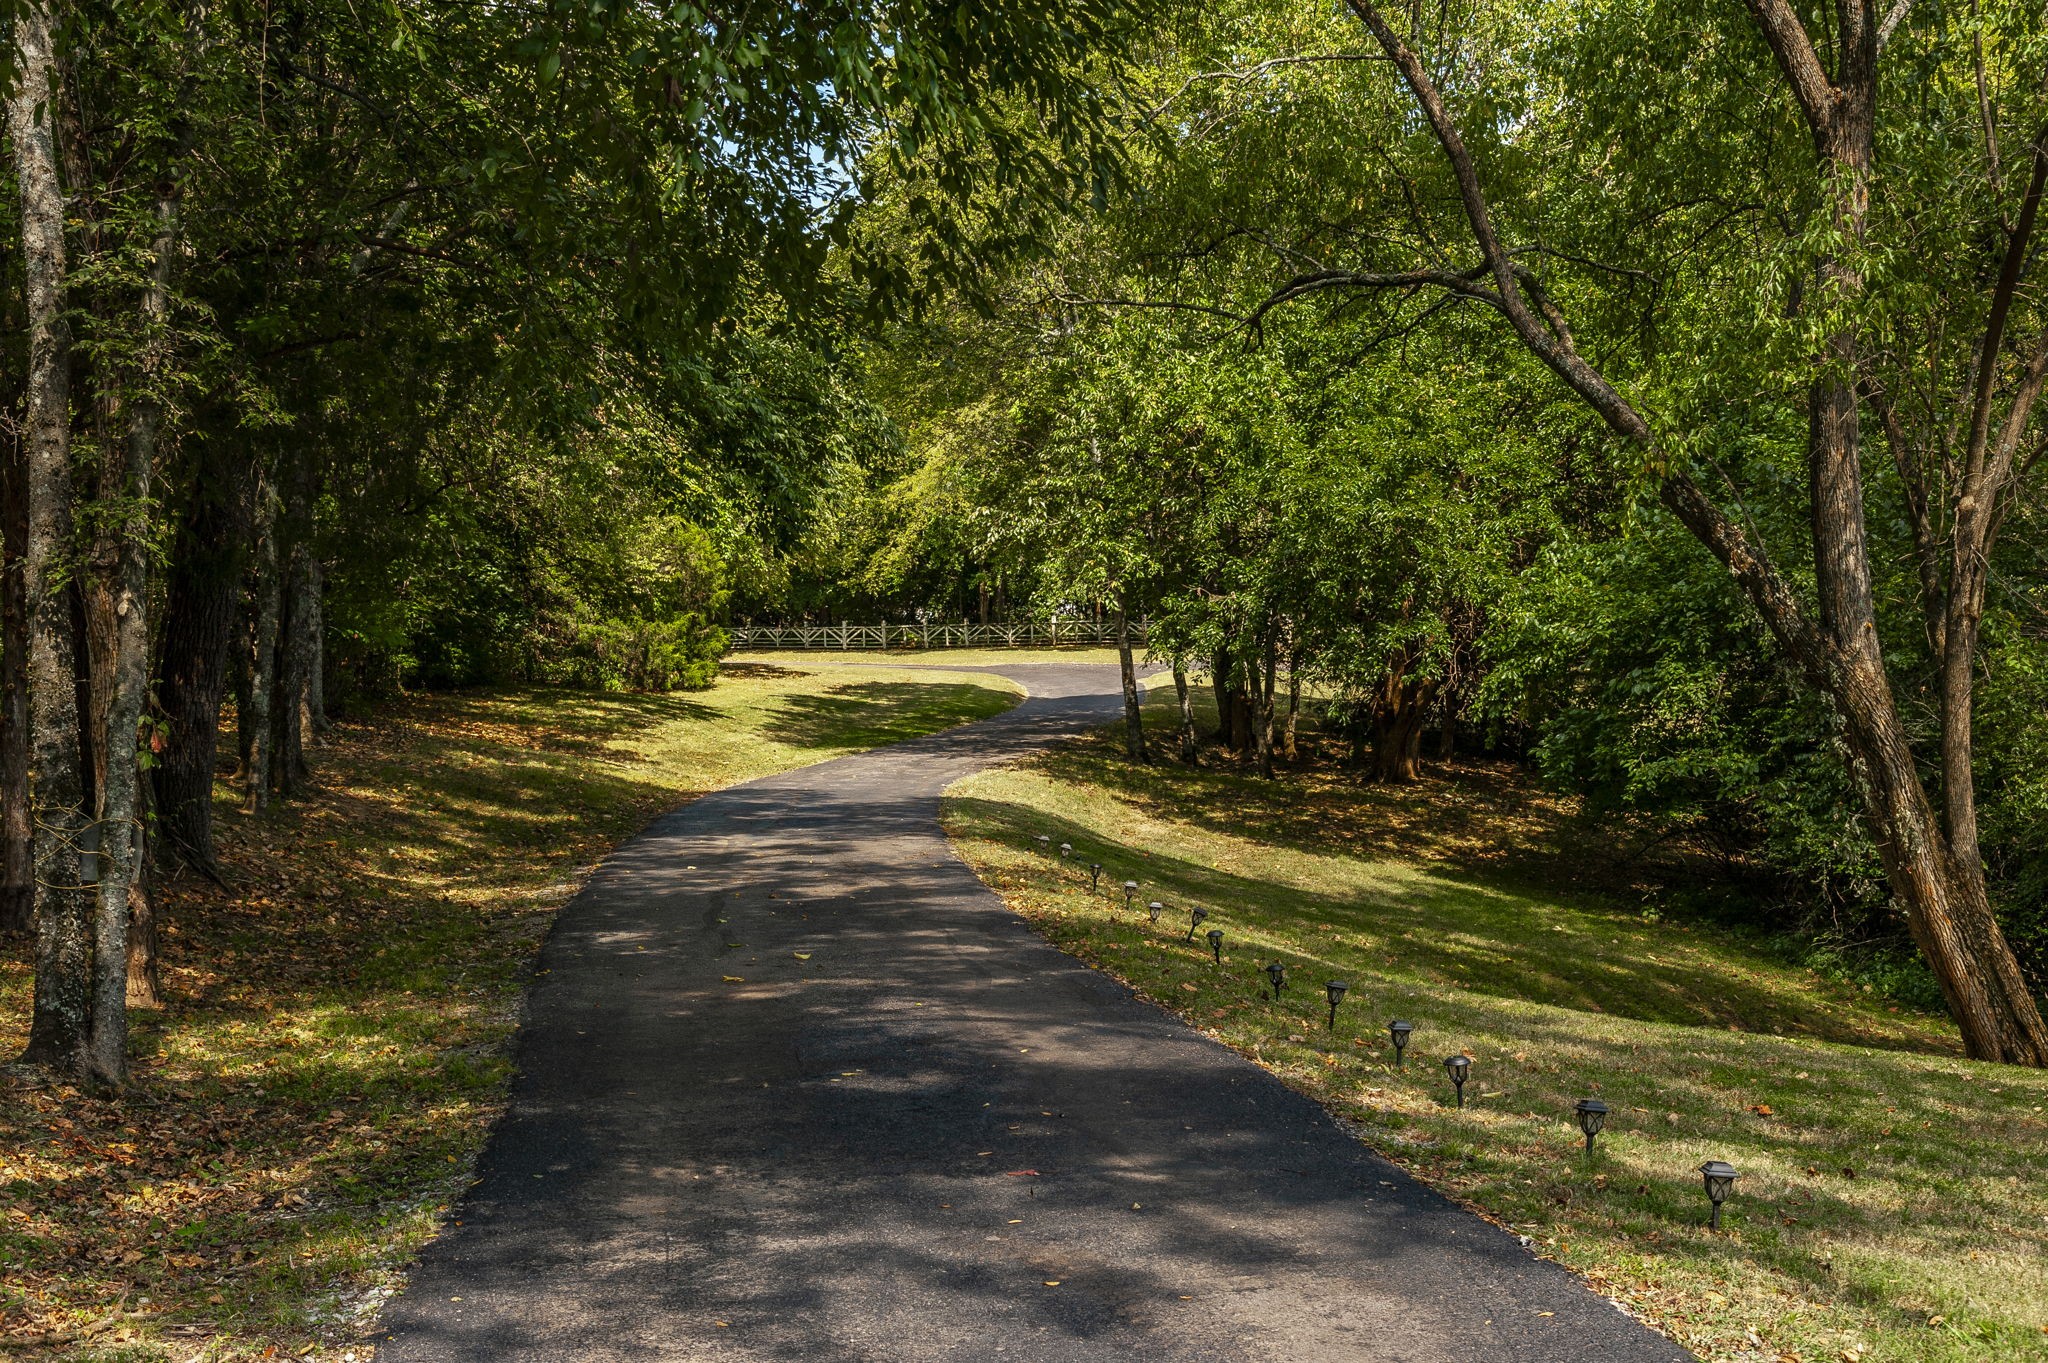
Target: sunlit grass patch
335,1051
1892,1205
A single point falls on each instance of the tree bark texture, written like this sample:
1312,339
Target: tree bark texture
1263,734
1400,711
60,1028
1190,741
268,590
1134,708
17,829
296,652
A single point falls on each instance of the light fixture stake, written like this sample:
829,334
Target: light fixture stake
1459,1067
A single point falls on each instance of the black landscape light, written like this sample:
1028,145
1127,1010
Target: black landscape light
1277,973
1335,989
1459,1067
1131,892
1156,909
1195,917
1094,876
1216,943
1044,841
1066,850
1720,1177
1399,1030
1592,1116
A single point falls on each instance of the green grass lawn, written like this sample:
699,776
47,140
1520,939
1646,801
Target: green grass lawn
334,1049
1893,1203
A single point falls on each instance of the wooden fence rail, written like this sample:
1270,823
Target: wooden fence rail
1052,634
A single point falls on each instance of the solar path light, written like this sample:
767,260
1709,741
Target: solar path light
1592,1116
1719,1176
1156,908
1335,990
1459,1067
1130,892
1277,973
1399,1030
1044,841
1066,850
1195,917
1216,943
1094,876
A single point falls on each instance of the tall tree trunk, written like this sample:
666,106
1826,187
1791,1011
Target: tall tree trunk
1190,742
17,840
1134,710
60,1028
202,615
263,658
122,881
1264,684
317,722
295,670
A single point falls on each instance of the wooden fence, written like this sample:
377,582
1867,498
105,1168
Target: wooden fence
1053,634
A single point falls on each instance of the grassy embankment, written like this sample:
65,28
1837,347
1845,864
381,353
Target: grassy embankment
1894,1198
334,1049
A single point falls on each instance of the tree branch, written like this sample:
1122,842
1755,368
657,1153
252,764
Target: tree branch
1766,589
1788,38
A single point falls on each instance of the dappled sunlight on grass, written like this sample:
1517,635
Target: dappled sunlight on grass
1887,1183
335,1048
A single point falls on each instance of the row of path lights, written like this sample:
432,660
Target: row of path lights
1718,1176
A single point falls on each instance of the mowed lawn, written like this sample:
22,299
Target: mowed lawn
1893,1203
334,1050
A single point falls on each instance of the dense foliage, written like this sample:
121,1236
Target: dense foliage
1277,399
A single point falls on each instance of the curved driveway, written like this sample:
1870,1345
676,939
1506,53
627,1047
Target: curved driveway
794,1086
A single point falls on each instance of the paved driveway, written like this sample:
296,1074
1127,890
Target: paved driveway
794,1086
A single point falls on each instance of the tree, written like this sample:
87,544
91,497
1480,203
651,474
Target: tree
1932,858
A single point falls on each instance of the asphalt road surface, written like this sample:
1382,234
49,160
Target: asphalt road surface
794,1086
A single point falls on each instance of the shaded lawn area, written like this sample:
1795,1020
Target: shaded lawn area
1893,1203
334,1051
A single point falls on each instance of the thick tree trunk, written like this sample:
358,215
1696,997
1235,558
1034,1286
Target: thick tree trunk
1399,712
263,658
1190,741
61,1025
202,612
17,842
1134,710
